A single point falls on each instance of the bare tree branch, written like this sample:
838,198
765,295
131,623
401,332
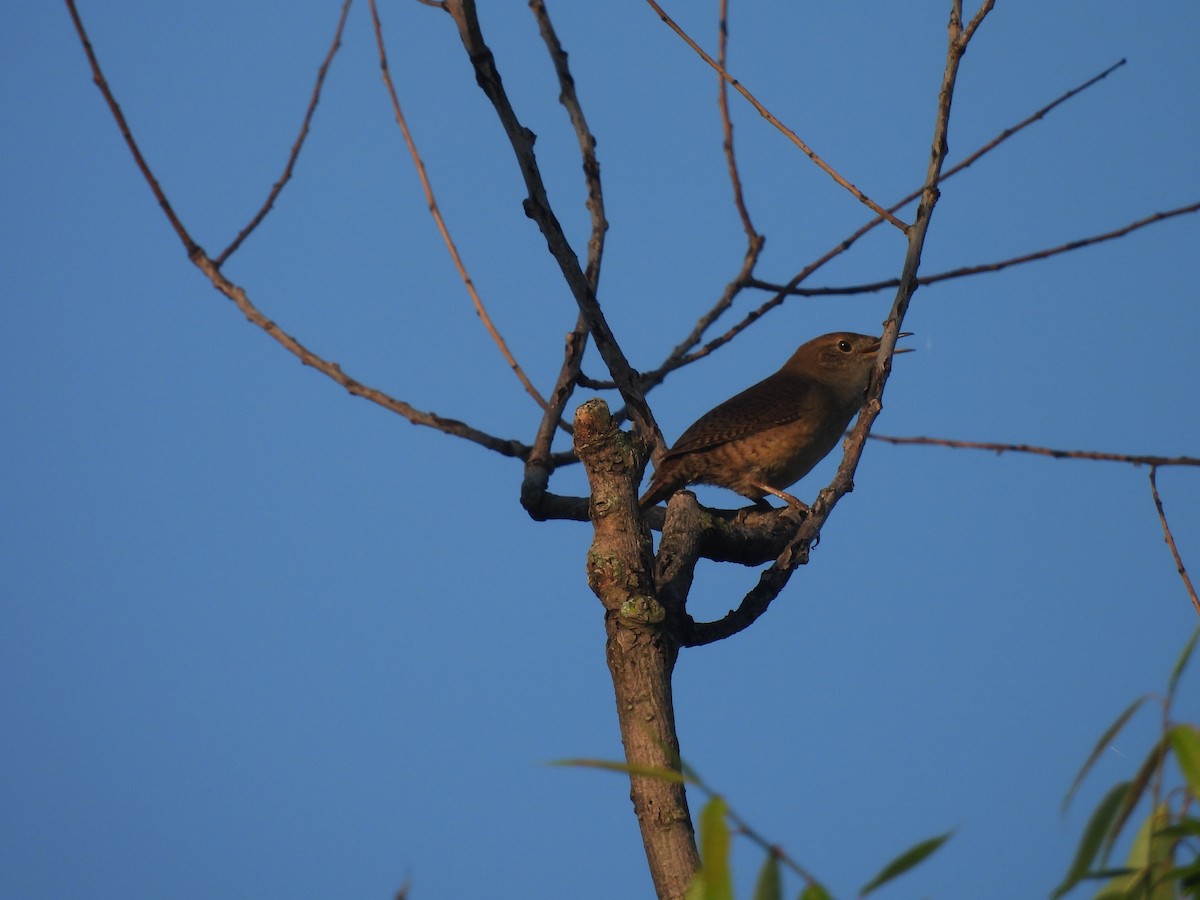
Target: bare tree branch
452,427
541,462
776,576
538,465
1036,256
1015,129
754,241
735,178
678,358
766,114
587,141
296,147
235,293
99,80
443,230
537,207
1170,541
997,448
640,651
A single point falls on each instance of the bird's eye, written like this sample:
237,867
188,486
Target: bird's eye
844,346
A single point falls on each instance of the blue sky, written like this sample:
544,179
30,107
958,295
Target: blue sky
262,638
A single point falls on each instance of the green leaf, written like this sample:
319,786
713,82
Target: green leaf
628,768
905,861
815,891
1186,828
1184,875
1180,664
714,851
1185,741
1101,746
1149,857
770,883
1137,786
1093,836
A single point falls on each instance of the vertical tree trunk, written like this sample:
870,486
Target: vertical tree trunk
641,653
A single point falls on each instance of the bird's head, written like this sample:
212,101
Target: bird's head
842,361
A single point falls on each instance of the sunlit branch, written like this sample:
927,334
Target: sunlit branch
537,467
587,141
1170,540
296,147
754,240
537,206
677,360
235,293
998,448
776,576
766,114
872,287
452,427
443,230
98,78
735,177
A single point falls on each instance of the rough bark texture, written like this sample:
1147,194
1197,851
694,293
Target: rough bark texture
640,650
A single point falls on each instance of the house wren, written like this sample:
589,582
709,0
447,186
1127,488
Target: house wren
772,434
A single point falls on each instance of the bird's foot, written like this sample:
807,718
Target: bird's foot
787,498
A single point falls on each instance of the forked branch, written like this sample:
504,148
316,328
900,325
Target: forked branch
434,210
682,354
297,145
238,295
537,207
1170,540
766,114
1036,256
776,576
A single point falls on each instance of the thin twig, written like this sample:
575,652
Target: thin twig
539,464
587,141
443,230
766,114
754,241
960,166
735,177
1167,536
745,828
681,355
98,78
997,448
776,576
254,315
577,339
454,427
679,358
852,289
537,206
682,351
296,147
1015,129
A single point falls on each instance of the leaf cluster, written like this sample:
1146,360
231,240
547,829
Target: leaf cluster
1163,862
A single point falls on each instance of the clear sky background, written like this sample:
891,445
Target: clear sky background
264,639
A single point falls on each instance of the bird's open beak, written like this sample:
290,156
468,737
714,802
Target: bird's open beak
903,334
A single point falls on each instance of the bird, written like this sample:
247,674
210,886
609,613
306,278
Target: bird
773,433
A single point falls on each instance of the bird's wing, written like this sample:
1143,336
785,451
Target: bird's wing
774,401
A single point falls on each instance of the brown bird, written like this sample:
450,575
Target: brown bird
771,435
